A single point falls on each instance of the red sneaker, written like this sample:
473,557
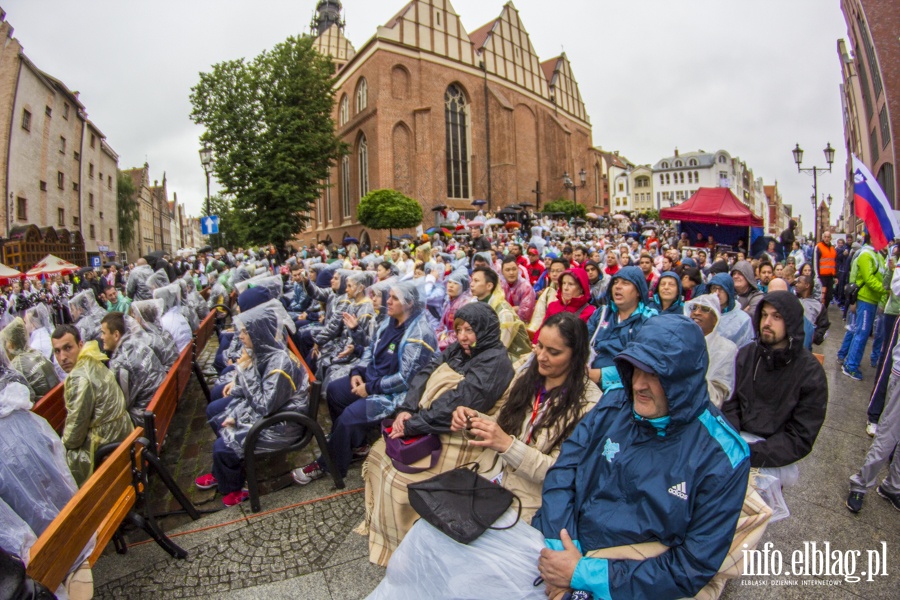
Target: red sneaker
235,497
205,482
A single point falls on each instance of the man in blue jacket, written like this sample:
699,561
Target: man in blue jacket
655,461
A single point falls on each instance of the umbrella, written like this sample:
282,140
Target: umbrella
491,221
620,216
394,238
52,265
406,236
205,249
591,215
460,226
479,202
525,204
112,264
433,230
512,225
439,207
578,221
350,240
8,273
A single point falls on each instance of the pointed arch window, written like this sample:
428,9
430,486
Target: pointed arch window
456,115
345,187
344,115
362,95
363,156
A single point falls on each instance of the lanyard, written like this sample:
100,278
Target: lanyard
534,414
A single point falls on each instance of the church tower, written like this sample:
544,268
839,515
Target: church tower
328,13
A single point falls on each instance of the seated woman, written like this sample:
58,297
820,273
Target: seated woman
336,338
86,315
376,386
457,296
573,297
30,363
172,319
268,380
669,296
39,325
147,313
474,372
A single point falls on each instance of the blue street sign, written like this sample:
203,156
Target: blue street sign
95,261
209,225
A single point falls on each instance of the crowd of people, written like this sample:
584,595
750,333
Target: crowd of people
629,386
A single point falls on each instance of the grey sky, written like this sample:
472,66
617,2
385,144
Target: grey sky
752,77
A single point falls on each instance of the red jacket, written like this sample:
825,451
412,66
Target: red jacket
578,305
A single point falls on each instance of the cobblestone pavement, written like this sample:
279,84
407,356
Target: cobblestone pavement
308,550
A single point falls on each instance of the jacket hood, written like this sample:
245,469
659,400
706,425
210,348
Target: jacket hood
710,300
633,275
724,281
265,325
86,303
680,299
253,297
484,323
673,347
791,311
91,350
169,294
14,338
460,276
746,269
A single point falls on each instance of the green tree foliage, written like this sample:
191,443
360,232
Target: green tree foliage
566,206
268,120
127,208
388,209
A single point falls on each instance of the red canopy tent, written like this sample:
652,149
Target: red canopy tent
715,206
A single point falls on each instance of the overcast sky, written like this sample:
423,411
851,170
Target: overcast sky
751,77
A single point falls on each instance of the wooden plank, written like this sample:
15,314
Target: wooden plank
52,406
293,348
112,521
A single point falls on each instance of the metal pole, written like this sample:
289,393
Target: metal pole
487,131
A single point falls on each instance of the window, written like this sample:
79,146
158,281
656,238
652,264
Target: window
362,95
26,120
642,182
870,55
75,221
693,162
621,187
345,187
101,214
344,115
678,164
62,145
21,209
437,17
696,177
328,199
885,178
93,234
681,178
885,127
665,165
43,186
597,185
110,234
363,155
721,159
662,179
61,217
456,113
873,142
75,186
48,111
60,179
109,182
668,179
690,177
90,200
91,170
76,155
864,86
65,111
93,140
101,176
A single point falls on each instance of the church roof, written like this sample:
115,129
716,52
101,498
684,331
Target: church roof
479,36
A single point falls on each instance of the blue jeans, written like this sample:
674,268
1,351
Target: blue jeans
874,359
854,344
883,372
350,426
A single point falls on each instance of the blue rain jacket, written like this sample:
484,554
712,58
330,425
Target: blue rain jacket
620,480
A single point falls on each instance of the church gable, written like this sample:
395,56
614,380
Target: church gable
432,26
563,87
507,52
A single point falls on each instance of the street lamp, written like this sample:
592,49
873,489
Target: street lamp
571,185
208,162
829,158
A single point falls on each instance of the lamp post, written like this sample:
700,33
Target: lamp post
829,158
571,185
816,217
208,162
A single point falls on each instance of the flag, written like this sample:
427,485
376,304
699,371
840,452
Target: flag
872,206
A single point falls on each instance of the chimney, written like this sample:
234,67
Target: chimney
676,152
156,183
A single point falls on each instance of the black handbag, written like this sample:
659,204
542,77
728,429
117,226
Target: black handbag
461,503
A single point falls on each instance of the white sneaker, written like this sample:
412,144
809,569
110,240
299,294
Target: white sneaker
307,474
871,429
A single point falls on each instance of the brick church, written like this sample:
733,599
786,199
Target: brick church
447,116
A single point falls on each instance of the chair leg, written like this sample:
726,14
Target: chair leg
150,526
202,379
119,542
170,483
252,483
326,454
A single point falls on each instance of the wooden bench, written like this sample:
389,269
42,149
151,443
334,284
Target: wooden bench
201,339
160,411
105,500
52,406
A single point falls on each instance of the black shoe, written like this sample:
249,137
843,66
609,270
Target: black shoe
894,499
855,501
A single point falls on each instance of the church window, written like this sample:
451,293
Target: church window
457,142
345,187
345,111
363,155
362,95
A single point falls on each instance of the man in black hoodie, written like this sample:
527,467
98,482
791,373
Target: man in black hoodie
780,392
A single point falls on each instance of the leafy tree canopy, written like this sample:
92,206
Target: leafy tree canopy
268,121
567,207
388,209
127,209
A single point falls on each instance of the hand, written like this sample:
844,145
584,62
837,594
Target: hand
226,391
321,318
315,351
557,567
460,418
244,361
356,381
398,429
553,592
229,422
490,434
346,351
351,321
358,386
302,316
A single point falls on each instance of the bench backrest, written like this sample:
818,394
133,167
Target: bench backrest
204,332
182,367
98,507
52,406
161,409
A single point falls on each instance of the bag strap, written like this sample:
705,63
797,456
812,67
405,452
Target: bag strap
435,457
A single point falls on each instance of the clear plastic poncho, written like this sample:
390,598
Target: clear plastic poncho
187,311
27,361
720,375
87,315
148,313
193,298
157,280
137,369
172,319
39,325
274,382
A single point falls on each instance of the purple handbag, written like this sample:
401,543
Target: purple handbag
405,452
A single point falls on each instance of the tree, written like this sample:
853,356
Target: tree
269,124
388,209
566,206
127,209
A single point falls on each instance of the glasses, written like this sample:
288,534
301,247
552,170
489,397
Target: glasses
702,308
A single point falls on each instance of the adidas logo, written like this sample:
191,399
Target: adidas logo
679,490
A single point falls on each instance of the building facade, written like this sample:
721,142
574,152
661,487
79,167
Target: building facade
870,94
52,155
447,117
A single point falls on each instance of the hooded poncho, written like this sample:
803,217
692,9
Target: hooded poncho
30,363
722,352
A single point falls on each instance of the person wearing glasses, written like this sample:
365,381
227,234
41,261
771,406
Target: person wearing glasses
705,312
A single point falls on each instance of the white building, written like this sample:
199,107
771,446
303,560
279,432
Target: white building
677,177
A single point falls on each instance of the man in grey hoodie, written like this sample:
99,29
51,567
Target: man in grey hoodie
748,296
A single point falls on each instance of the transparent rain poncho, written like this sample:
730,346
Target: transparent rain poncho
136,287
39,325
273,283
172,320
148,313
193,299
186,310
87,315
27,361
720,375
157,280
274,382
137,369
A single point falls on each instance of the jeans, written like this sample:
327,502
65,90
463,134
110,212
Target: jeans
228,468
214,412
883,372
224,341
349,424
854,344
879,329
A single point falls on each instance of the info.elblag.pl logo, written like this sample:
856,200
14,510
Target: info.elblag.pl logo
814,559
